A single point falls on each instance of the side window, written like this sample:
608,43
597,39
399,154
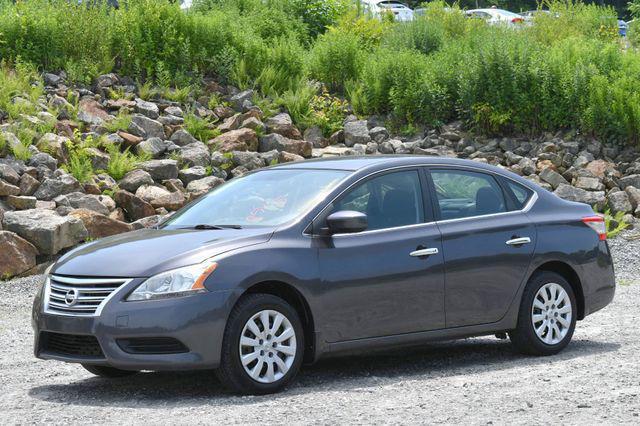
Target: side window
390,200
520,193
463,194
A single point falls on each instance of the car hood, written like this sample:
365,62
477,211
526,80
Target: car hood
150,251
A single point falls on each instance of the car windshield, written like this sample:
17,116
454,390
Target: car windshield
264,198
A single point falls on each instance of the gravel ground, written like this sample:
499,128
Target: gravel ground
473,381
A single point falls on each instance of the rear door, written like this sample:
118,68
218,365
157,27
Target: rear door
377,282
487,240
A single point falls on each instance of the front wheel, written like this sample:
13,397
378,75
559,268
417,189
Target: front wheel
547,316
263,345
107,372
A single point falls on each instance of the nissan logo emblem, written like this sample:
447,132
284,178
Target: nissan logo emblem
71,298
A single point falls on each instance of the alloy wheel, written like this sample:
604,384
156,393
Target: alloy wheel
267,346
551,313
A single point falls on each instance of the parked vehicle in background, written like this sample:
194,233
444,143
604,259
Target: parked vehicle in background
377,8
623,27
530,14
496,16
264,272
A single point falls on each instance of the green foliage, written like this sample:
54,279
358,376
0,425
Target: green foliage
121,122
614,223
122,162
199,128
20,88
79,165
336,58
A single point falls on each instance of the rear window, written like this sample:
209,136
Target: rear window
520,194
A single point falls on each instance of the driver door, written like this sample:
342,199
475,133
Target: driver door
373,283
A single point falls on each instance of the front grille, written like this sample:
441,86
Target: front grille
152,345
70,344
79,296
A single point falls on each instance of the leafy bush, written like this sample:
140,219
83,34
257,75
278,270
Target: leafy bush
198,127
336,58
121,163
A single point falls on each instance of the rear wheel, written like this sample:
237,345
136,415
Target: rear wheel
547,316
107,372
263,345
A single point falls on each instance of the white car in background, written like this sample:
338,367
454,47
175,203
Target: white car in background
376,8
496,16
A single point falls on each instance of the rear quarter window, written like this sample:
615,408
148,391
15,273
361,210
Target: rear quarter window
520,194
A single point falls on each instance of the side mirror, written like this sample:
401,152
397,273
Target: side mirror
346,222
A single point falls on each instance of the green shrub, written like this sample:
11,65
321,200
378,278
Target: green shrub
335,59
421,34
199,128
121,122
121,163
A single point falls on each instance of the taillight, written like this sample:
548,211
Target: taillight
597,224
517,20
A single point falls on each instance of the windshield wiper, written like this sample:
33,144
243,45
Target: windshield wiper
204,226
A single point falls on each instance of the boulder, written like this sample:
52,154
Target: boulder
174,110
631,180
249,160
99,160
236,140
150,128
78,200
194,154
134,207
8,174
282,143
254,123
181,138
7,189
146,108
239,99
588,183
154,147
314,135
17,255
161,169
57,146
134,180
282,124
91,112
42,159
22,203
619,202
191,174
100,226
231,123
53,187
380,134
634,196
45,229
356,132
151,192
199,187
599,167
147,222
571,193
171,201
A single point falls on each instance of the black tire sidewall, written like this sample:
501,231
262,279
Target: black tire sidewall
527,336
234,373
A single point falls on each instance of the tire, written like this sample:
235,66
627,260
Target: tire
546,328
108,372
262,373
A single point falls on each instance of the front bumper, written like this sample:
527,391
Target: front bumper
197,321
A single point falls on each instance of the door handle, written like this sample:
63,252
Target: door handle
519,241
423,252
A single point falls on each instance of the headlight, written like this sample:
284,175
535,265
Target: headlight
174,283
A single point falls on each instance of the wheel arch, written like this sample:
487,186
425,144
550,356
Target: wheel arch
572,277
296,299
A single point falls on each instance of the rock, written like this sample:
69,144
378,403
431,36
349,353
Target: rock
174,110
135,208
91,112
336,137
182,138
99,160
172,201
282,124
281,143
43,159
22,203
588,183
147,222
150,128
107,80
254,123
161,169
53,187
195,154
238,99
634,196
450,136
236,140
153,147
129,139
356,132
57,146
248,160
8,174
631,180
552,177
148,109
600,167
198,188
17,255
151,192
117,104
100,226
571,193
78,200
7,189
45,229
191,174
28,184
315,136
51,79
288,157
134,180
231,123
619,202
379,134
